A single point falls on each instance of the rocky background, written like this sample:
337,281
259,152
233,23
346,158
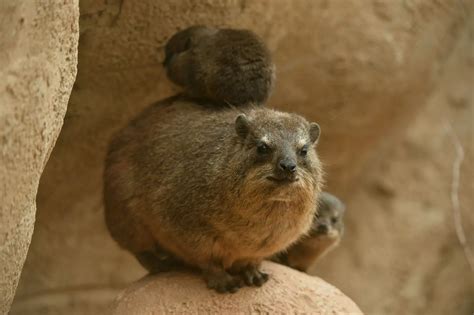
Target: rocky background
389,82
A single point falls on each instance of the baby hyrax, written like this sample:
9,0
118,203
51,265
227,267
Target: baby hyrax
324,235
226,66
219,190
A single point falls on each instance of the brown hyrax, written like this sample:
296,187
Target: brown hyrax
218,189
324,235
221,65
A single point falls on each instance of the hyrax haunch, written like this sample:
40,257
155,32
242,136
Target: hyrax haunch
217,188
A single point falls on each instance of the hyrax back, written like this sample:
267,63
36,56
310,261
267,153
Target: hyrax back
218,189
223,65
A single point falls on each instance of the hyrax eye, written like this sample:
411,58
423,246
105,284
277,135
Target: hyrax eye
304,150
333,220
263,148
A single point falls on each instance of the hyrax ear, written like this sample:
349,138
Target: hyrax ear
242,125
314,132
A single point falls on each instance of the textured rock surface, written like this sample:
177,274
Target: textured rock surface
38,59
362,69
287,292
400,235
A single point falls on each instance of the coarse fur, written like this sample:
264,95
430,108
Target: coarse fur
225,66
324,235
217,189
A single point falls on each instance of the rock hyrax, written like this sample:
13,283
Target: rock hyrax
222,65
324,235
219,189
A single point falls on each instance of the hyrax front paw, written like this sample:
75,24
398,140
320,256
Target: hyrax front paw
223,282
251,275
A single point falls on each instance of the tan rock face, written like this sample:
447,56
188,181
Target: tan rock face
362,69
400,234
38,59
287,292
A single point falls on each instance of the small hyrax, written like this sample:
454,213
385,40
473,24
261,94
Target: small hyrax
221,65
218,188
324,235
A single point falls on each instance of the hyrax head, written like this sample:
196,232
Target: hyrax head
328,221
187,39
279,148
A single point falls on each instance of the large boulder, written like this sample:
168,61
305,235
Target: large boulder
287,292
362,69
38,59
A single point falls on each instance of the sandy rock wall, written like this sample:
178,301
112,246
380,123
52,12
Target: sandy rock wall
38,59
401,239
362,69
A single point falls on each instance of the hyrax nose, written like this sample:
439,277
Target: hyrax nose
288,165
323,228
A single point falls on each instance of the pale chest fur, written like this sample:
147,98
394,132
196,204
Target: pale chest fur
271,225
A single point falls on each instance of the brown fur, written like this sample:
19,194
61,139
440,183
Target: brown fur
188,180
324,235
226,66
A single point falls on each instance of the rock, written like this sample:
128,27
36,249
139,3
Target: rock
287,292
38,59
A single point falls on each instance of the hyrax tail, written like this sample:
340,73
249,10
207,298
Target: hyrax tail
225,66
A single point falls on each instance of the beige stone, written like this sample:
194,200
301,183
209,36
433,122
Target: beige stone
400,236
38,59
287,292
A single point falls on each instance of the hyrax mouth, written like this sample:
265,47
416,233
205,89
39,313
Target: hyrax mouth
283,180
330,234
